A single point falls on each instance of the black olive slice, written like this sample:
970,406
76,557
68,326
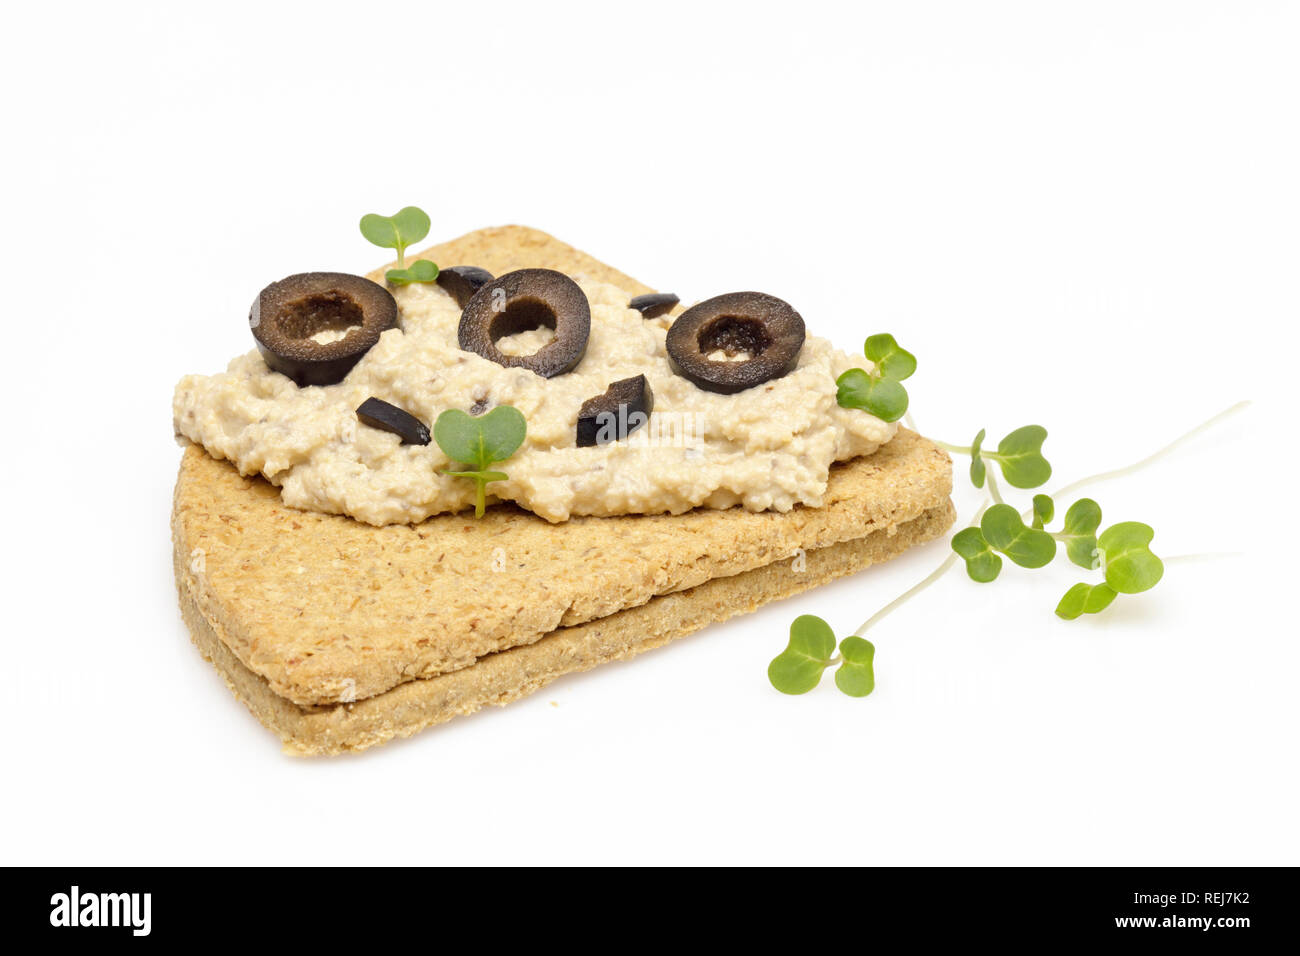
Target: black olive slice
463,281
524,300
759,334
623,408
288,313
654,304
378,413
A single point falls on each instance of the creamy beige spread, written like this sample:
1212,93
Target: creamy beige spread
770,447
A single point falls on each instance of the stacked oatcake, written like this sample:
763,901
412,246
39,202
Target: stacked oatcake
339,635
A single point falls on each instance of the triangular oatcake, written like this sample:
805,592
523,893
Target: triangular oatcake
340,635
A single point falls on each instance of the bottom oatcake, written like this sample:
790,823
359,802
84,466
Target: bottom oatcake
504,676
340,635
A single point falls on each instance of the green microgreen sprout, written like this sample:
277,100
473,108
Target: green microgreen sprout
799,668
407,225
1122,551
479,442
1019,456
879,391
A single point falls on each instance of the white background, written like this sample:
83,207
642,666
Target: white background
1082,215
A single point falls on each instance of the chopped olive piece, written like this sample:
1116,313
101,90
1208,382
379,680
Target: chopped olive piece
623,408
314,326
654,304
759,337
378,413
463,281
521,301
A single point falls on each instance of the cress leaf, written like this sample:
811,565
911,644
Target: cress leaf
884,398
1021,456
977,466
798,669
892,362
1082,520
480,440
1044,510
421,270
412,223
1085,599
856,676
1005,532
409,224
380,230
1130,566
982,563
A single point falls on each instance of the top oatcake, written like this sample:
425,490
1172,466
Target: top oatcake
767,448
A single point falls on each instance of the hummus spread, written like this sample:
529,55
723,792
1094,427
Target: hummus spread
769,447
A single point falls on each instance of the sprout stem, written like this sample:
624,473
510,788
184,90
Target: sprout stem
1151,459
916,589
1203,556
949,561
1148,460
993,488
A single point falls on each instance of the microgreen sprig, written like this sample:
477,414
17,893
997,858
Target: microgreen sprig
799,668
480,441
407,225
1122,552
1019,456
879,391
